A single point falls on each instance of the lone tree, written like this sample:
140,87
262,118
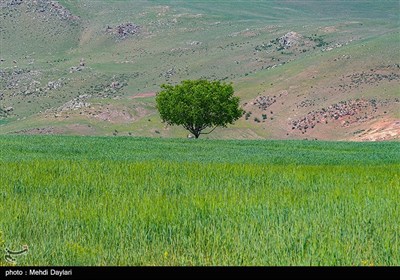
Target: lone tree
198,104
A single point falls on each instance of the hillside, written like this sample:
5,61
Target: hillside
325,70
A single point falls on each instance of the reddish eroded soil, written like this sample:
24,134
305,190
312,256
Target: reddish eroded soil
382,130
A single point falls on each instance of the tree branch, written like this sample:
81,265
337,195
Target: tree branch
209,131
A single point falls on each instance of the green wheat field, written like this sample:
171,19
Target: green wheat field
125,201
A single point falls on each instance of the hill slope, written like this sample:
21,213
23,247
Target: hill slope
303,69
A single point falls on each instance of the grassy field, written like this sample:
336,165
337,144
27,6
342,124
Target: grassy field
141,201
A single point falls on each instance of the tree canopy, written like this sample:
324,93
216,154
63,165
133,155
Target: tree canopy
198,104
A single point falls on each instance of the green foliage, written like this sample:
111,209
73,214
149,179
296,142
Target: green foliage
93,201
2,241
198,104
318,39
2,249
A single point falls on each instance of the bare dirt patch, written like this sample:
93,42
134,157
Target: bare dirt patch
329,29
80,129
40,130
144,95
383,130
113,115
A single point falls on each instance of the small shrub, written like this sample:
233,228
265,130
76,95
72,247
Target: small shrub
247,115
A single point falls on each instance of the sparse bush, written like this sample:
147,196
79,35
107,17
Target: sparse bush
247,115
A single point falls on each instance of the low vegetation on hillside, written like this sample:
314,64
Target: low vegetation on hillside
102,63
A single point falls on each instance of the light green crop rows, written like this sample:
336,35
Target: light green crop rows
137,201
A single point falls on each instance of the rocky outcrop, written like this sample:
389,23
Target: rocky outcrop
290,39
16,78
10,3
27,82
263,102
76,103
124,30
350,111
45,7
5,112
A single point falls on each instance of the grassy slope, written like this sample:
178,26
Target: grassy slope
141,201
229,33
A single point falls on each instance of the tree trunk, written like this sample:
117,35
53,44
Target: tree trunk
195,131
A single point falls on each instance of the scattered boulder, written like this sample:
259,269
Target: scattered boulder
79,68
169,73
374,77
75,104
18,78
51,8
124,30
44,8
12,3
5,112
75,69
194,43
55,84
263,102
350,111
116,85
